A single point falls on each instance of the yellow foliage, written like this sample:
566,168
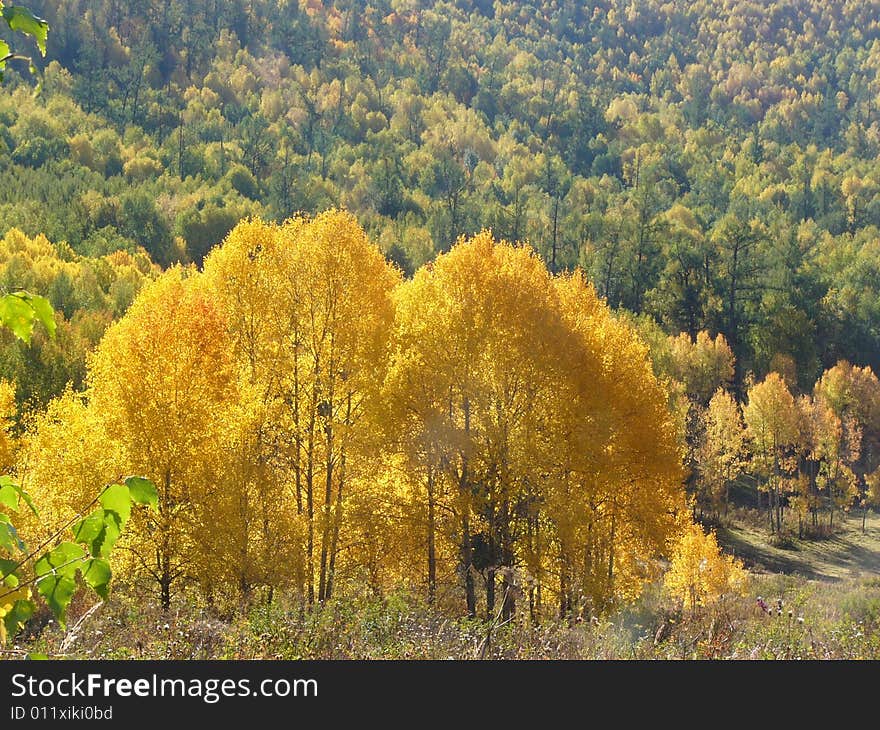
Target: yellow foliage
702,365
722,452
8,411
65,458
699,574
509,387
771,415
310,418
309,310
159,382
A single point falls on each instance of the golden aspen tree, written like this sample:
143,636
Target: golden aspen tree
158,381
853,394
309,309
832,447
631,486
771,416
345,309
247,275
722,454
475,341
535,420
694,368
240,516
702,365
699,574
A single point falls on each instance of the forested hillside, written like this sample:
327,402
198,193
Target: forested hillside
461,311
710,164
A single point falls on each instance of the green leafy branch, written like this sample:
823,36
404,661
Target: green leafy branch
22,20
52,568
54,571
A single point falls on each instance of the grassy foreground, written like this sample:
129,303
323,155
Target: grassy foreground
823,596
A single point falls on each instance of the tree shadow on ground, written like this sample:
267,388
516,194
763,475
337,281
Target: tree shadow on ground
767,559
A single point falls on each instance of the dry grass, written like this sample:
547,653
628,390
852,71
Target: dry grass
824,595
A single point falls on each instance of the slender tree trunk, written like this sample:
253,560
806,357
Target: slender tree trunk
490,593
310,506
538,575
508,596
611,554
466,548
563,584
297,436
328,503
166,578
432,553
165,587
467,562
337,516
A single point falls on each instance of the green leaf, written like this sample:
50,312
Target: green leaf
110,532
62,560
26,497
9,496
56,573
4,51
43,311
36,656
97,575
17,315
143,491
21,611
9,539
24,21
88,530
57,590
8,568
117,498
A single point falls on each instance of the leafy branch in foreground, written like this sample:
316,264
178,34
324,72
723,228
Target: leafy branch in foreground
22,20
51,569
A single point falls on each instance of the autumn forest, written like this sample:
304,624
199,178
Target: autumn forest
408,329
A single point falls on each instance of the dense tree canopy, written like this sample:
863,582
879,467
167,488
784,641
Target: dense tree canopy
710,164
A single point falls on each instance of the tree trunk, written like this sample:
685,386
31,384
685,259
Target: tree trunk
164,556
432,553
297,437
490,593
611,556
337,516
466,549
467,562
328,502
508,605
310,510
